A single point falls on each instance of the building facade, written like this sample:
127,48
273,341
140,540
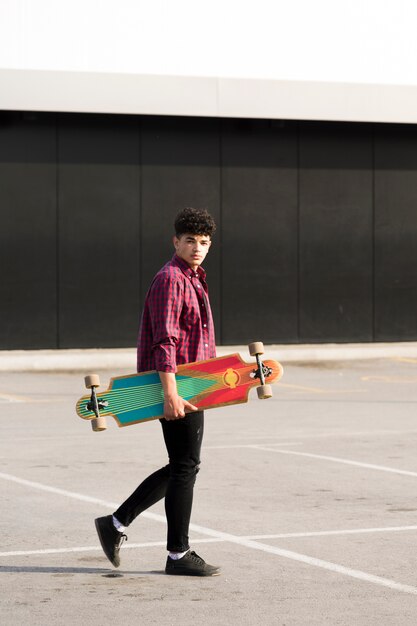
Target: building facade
317,225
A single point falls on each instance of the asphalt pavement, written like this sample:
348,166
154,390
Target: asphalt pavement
307,501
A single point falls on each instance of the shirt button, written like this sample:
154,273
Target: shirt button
206,344
204,325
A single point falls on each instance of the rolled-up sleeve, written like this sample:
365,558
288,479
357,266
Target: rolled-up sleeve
165,304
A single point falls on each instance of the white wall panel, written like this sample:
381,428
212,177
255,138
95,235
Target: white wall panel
268,58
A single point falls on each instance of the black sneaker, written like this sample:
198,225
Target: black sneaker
190,565
110,538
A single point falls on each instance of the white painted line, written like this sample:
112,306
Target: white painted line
357,433
247,543
303,558
74,495
328,533
251,445
7,397
52,551
334,459
194,540
97,548
320,390
313,435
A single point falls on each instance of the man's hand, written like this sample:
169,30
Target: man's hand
175,407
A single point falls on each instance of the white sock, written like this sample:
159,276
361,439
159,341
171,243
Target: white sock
177,555
118,526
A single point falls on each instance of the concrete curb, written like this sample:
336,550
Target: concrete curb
125,359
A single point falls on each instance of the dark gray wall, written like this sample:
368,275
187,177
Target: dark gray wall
317,237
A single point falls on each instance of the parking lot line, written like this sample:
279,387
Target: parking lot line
329,533
241,541
334,459
96,548
196,540
319,390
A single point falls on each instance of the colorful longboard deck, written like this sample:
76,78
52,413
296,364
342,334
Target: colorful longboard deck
207,384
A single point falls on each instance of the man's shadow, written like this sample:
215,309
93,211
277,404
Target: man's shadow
108,573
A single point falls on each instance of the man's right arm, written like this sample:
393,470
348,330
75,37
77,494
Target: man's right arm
164,308
165,303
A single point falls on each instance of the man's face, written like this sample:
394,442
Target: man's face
192,248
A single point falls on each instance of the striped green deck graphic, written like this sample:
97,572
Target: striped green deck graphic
131,402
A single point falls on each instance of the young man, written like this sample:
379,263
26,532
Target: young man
177,327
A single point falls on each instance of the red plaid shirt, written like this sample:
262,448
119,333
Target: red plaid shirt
177,324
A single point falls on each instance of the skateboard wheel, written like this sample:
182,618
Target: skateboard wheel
92,381
264,391
257,347
98,424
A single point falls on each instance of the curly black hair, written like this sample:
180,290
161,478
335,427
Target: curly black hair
194,221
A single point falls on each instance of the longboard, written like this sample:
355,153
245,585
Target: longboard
209,384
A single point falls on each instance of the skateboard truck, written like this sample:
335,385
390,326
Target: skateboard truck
96,404
263,372
264,391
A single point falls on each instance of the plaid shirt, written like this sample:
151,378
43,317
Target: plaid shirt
177,324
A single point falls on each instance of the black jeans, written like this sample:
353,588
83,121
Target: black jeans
174,482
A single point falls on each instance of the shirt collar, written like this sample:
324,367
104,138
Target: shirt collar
186,269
